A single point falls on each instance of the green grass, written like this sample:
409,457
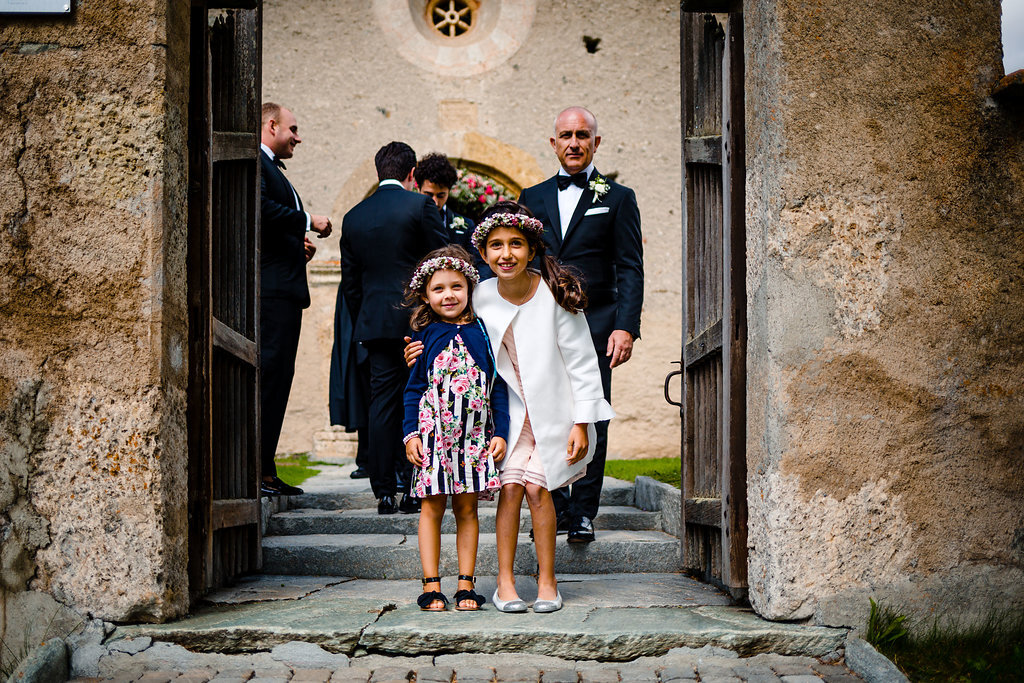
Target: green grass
989,651
662,469
296,468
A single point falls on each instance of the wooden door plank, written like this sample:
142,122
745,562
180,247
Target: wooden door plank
734,469
235,512
234,343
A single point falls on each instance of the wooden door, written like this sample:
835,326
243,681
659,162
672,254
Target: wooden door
223,264
713,366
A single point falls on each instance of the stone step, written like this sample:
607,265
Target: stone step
606,617
367,521
396,556
613,492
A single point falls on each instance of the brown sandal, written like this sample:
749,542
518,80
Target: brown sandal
428,597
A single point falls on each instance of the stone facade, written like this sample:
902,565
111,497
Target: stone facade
359,74
93,363
885,252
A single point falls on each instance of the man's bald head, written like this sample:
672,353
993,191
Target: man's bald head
575,139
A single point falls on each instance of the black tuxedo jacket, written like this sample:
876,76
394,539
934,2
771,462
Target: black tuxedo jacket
383,237
603,243
282,254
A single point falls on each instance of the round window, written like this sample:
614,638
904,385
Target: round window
452,18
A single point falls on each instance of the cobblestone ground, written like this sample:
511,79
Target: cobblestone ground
719,667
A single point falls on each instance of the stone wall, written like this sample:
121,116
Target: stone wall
93,343
359,74
886,335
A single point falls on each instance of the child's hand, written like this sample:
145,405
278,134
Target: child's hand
578,443
496,448
413,350
414,451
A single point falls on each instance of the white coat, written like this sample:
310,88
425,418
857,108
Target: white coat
559,372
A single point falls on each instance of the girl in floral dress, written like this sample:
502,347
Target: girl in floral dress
456,418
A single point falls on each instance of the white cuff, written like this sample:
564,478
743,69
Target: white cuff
592,410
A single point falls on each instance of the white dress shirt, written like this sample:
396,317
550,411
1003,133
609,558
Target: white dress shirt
569,198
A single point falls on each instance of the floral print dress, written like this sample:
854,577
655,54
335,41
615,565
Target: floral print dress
453,426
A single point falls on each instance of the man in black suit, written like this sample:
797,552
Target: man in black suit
592,224
284,251
436,177
382,239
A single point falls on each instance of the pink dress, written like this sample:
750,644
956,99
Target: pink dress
520,465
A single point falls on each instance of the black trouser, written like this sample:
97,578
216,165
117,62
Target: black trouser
582,498
388,376
280,322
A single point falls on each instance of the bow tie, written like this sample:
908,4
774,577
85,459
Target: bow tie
279,163
577,179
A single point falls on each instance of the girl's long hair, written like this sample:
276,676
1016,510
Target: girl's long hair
563,281
422,313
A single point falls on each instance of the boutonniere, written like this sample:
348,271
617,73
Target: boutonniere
599,186
459,224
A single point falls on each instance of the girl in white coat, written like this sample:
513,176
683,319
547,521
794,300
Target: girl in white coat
544,352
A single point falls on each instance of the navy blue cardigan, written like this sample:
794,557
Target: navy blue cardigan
435,338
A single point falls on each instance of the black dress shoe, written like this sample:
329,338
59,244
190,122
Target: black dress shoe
276,487
581,531
409,505
359,473
564,524
387,505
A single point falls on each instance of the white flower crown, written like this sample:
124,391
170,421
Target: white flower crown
505,220
426,269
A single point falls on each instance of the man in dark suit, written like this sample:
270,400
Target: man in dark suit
284,251
382,239
593,225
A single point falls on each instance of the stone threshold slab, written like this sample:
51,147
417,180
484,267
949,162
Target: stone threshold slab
355,617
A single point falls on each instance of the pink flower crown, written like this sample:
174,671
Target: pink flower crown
505,220
426,269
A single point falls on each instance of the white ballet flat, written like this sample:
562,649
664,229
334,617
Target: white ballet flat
548,605
516,605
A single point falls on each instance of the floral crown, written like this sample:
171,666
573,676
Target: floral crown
505,220
426,269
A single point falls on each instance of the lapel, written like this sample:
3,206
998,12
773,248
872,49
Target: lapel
288,189
550,196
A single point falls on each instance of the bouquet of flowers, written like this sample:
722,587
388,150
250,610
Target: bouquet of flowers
474,193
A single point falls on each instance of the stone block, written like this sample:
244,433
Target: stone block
473,674
869,664
517,674
311,675
233,674
802,678
130,646
434,674
590,675
391,673
47,663
560,676
354,674
299,654
158,676
762,678
678,672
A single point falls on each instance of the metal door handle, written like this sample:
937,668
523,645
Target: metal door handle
668,378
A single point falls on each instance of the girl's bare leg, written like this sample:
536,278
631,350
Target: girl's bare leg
542,511
431,512
467,536
507,527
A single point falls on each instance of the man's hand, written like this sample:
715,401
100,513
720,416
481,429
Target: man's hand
620,347
496,448
310,249
321,225
578,443
413,350
414,451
